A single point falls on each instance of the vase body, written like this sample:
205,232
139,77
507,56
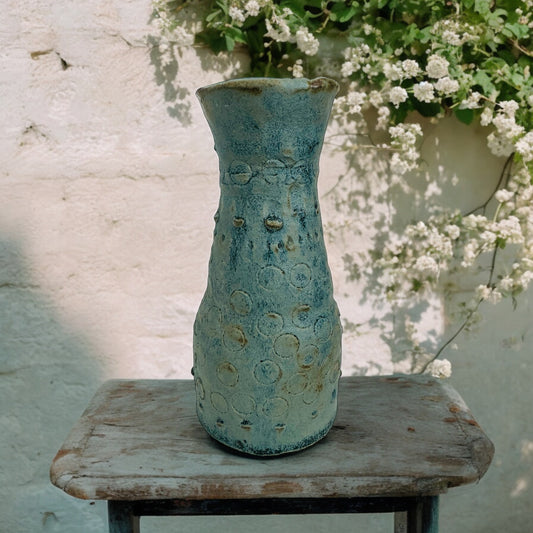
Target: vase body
267,335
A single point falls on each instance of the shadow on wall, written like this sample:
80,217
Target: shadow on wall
48,372
165,59
374,208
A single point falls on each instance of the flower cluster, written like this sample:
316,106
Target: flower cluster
427,58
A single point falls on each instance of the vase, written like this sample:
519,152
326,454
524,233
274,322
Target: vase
267,335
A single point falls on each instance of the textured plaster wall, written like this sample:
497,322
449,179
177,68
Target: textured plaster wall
108,184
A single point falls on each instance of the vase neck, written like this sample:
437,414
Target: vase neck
268,123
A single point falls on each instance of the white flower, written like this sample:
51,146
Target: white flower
397,95
393,72
447,86
509,107
347,69
410,68
306,41
503,195
499,146
524,146
472,102
486,116
470,253
298,69
252,8
439,368
488,237
278,29
423,91
450,37
426,264
509,228
506,284
236,14
375,98
437,66
453,231
383,118
355,101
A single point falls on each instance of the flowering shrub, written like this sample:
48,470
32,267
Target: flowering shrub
402,59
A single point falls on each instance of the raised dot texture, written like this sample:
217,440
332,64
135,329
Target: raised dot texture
273,223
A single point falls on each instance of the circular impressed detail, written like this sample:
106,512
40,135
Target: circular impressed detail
275,407
240,172
244,404
270,324
240,302
219,402
300,275
270,277
323,329
227,374
301,316
200,389
308,355
310,396
287,345
234,338
274,171
297,383
267,372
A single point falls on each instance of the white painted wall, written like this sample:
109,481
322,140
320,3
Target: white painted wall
108,184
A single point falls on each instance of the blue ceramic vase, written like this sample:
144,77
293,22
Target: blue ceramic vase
267,336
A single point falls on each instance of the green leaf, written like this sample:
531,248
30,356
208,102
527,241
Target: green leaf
466,116
427,110
213,39
484,81
230,42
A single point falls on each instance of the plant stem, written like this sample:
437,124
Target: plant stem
452,338
505,173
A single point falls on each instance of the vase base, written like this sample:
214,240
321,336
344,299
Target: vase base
278,449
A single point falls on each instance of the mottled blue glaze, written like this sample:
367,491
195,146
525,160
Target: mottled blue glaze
267,336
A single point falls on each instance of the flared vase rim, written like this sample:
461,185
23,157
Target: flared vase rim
257,85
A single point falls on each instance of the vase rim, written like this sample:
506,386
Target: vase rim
256,85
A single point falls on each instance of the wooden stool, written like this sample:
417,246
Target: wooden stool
398,443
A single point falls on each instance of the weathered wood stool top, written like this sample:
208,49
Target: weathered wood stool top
394,437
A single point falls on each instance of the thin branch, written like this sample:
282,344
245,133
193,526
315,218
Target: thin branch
504,178
452,338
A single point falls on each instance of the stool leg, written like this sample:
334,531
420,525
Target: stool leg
423,517
121,518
